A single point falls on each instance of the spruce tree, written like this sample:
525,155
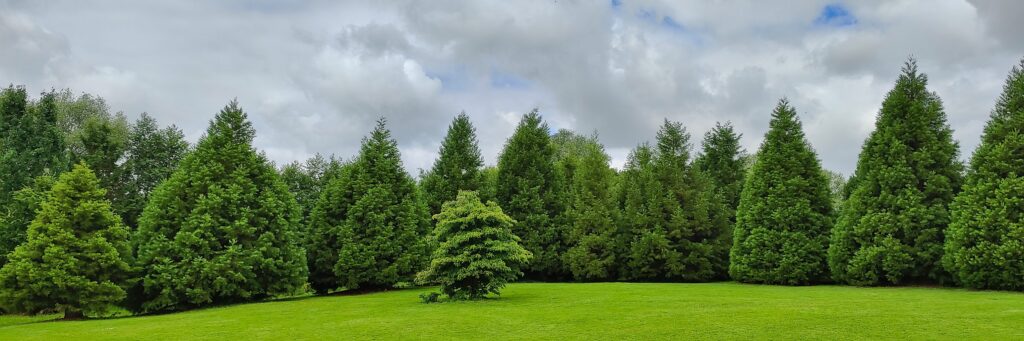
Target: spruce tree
642,244
722,159
527,190
593,214
369,225
891,228
151,155
222,227
457,166
785,210
984,247
477,253
76,258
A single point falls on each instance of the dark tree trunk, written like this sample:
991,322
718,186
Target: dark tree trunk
73,314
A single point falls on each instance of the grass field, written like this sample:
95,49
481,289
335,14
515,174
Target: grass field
579,311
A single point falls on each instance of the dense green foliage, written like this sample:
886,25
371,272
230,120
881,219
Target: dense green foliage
457,166
785,211
477,254
222,228
151,156
985,241
20,212
76,257
722,158
528,191
369,225
594,216
891,228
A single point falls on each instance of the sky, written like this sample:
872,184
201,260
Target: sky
314,76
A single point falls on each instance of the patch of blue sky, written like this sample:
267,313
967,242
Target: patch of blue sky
835,15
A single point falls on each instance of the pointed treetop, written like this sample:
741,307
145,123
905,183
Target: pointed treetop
233,124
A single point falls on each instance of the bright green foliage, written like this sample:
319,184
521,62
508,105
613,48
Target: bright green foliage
77,256
222,227
20,212
891,228
488,183
477,253
593,213
369,226
985,241
457,166
722,159
785,212
151,155
528,191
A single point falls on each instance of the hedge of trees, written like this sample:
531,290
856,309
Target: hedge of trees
128,214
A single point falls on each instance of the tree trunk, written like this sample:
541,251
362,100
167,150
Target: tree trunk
73,314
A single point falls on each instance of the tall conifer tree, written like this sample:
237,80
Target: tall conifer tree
891,228
457,166
222,227
722,159
785,210
593,213
985,242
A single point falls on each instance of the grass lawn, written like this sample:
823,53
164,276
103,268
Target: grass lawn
560,311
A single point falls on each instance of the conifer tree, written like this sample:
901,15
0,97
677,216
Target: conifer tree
151,155
477,253
593,213
76,258
722,160
369,226
527,190
222,227
785,211
20,213
457,166
635,201
891,228
984,247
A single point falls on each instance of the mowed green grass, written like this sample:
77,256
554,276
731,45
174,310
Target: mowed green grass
560,311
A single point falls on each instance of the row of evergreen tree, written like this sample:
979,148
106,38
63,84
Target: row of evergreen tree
225,225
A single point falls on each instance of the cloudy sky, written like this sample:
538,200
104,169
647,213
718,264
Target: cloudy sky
315,75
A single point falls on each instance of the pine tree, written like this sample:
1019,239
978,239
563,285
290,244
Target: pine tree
369,226
984,247
77,256
457,166
527,190
722,159
222,227
593,213
477,253
151,155
891,228
785,210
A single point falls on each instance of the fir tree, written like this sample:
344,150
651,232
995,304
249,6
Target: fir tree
222,227
891,228
722,159
527,190
369,226
457,166
477,253
985,241
76,257
785,210
638,237
593,213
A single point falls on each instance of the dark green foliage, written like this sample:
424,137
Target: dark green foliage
528,191
593,214
151,155
100,142
457,166
76,258
20,212
477,253
222,227
369,226
891,228
307,180
722,159
674,226
985,241
785,211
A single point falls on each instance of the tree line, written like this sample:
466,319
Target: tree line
98,212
